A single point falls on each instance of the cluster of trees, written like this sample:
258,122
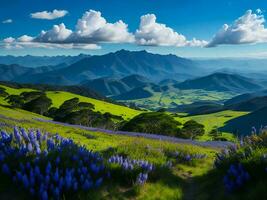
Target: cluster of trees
34,101
164,124
74,112
3,92
71,111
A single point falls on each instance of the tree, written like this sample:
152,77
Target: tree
29,96
153,122
39,105
86,105
191,129
3,92
66,108
51,112
15,101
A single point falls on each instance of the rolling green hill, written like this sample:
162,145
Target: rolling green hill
214,120
58,97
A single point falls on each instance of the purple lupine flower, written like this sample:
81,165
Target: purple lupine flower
29,147
25,181
38,135
5,169
44,195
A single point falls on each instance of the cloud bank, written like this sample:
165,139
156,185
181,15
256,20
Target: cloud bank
49,15
92,29
247,29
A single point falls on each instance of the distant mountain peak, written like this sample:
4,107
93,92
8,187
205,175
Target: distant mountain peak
221,82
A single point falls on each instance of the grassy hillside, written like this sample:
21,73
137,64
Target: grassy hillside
58,97
214,120
197,179
171,183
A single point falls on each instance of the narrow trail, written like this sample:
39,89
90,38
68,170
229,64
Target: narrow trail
211,144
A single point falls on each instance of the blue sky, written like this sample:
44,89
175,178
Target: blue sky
187,19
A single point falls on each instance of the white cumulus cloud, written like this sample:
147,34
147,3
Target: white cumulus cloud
152,33
92,27
247,29
7,21
49,15
91,30
58,34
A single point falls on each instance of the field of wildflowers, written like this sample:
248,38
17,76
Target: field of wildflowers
121,167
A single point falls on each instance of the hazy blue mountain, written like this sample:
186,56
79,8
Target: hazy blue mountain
113,86
124,63
243,125
9,72
168,82
233,64
221,82
200,107
19,73
135,80
140,92
38,61
136,93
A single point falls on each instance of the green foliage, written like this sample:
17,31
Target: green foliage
86,105
15,101
33,101
74,112
153,122
191,129
3,92
38,105
29,96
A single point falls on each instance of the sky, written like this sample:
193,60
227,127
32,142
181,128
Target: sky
187,28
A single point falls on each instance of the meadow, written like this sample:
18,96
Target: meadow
175,177
214,121
171,184
173,96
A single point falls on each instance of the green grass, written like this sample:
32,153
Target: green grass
214,120
175,96
170,184
58,97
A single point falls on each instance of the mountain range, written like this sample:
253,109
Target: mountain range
221,82
40,61
116,65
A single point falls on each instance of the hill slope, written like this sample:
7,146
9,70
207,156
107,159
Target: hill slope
249,105
58,97
221,82
113,86
243,125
